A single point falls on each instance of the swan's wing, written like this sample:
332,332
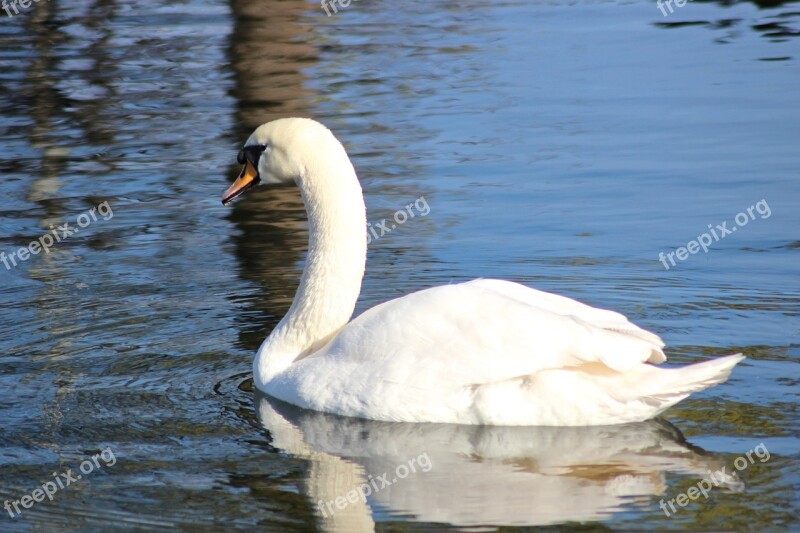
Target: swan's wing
602,318
471,334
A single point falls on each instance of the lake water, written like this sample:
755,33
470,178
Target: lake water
564,145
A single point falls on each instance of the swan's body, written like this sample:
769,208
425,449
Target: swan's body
482,352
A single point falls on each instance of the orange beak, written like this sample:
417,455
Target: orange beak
247,179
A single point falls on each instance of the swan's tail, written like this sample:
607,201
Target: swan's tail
667,386
594,394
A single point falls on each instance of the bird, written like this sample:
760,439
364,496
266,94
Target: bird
481,352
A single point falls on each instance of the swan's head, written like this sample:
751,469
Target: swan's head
278,152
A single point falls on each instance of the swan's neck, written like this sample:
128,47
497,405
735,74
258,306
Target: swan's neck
331,281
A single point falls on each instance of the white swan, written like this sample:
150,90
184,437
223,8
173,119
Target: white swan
482,352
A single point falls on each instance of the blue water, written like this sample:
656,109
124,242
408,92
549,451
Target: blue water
564,145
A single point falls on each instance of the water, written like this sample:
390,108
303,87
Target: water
559,144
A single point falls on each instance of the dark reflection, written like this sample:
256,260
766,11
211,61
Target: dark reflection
481,475
267,57
775,27
763,4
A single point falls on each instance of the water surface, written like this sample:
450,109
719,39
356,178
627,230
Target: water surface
563,145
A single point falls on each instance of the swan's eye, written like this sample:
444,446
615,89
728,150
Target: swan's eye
251,153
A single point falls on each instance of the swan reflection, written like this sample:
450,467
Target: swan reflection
478,475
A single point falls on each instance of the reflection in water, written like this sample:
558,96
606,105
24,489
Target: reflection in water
481,474
266,57
56,103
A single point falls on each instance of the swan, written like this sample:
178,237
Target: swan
485,352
